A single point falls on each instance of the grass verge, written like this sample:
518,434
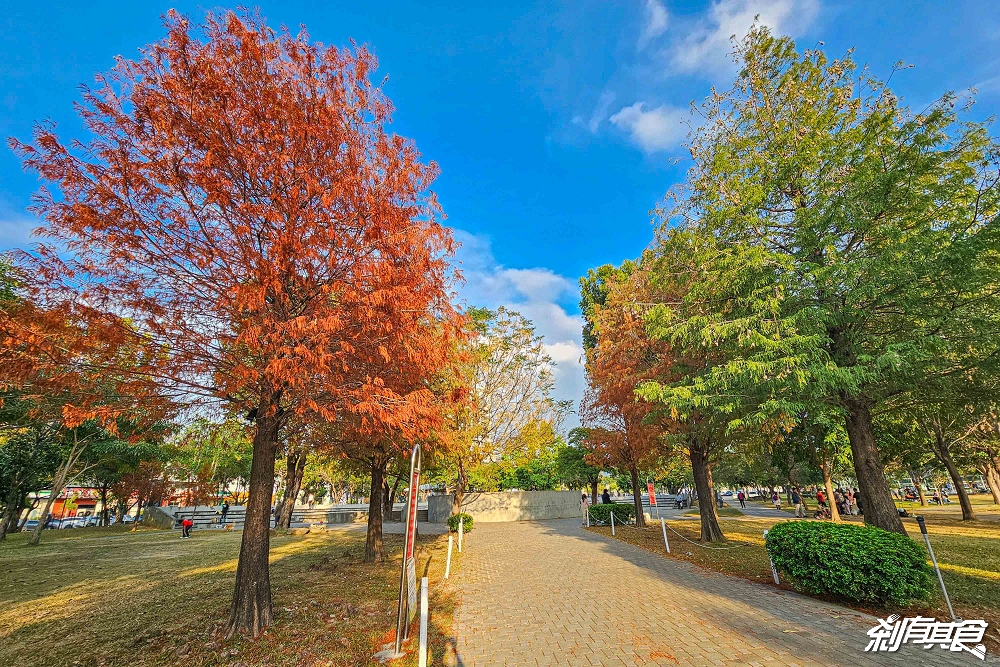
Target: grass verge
110,597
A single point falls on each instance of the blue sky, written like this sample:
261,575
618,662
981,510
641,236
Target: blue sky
558,126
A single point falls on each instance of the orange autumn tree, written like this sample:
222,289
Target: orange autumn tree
624,432
241,201
54,357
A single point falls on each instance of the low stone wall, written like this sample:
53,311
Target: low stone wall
507,506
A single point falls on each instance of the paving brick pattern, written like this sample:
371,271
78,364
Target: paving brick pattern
550,593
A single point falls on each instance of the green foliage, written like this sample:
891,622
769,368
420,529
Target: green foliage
624,513
829,234
594,292
466,522
857,563
570,467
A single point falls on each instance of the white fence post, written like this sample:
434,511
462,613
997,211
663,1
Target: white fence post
612,523
461,530
774,570
422,654
664,527
447,563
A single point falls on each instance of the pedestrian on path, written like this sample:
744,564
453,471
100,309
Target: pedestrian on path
800,508
776,499
742,498
606,497
225,510
186,525
584,506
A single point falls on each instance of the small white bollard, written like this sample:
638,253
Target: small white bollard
586,513
612,523
774,570
663,525
422,651
447,563
461,530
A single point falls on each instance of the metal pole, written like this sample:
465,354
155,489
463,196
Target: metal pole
461,531
586,513
930,549
447,563
774,570
401,610
612,524
422,651
663,525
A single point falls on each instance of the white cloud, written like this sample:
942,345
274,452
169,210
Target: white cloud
535,293
707,46
988,86
657,19
658,129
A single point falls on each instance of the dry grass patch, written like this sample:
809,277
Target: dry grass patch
111,597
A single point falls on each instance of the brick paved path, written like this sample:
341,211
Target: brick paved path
549,593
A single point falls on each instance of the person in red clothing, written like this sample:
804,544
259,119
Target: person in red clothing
186,527
821,499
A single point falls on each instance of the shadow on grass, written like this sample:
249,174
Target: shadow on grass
100,597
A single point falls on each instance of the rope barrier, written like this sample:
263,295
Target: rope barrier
598,522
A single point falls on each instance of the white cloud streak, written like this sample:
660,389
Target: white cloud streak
706,47
534,293
656,22
659,129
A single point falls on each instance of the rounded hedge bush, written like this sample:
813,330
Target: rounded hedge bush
856,563
466,524
602,513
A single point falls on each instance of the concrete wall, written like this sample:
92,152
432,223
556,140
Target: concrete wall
508,506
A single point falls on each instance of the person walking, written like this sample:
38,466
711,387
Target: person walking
742,498
800,508
606,497
857,502
776,499
584,506
225,510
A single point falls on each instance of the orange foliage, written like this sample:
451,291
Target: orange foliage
243,205
625,432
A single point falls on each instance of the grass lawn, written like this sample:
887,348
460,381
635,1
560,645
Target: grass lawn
106,596
968,553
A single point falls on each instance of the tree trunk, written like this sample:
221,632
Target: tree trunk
992,470
876,500
25,515
251,609
918,484
711,531
640,517
105,512
460,483
828,485
943,451
13,507
374,548
593,492
57,486
392,497
294,470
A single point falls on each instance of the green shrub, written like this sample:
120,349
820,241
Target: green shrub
466,524
602,513
856,563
